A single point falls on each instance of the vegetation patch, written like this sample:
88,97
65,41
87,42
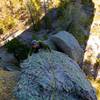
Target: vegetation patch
78,33
96,85
7,84
19,49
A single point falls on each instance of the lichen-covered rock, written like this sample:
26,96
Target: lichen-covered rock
52,76
76,18
69,45
8,81
50,44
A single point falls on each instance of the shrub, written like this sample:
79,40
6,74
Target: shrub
87,2
96,86
1,30
7,23
45,37
48,23
78,33
64,4
11,14
19,49
41,38
34,9
37,26
35,37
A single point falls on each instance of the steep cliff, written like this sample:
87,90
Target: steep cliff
92,54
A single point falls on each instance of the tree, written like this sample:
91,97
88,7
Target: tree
34,9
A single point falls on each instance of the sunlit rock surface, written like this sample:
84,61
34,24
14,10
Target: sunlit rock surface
52,76
93,45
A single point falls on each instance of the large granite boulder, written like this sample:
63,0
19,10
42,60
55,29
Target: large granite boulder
52,76
66,43
8,81
50,44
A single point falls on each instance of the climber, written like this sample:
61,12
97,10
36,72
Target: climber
38,45
35,46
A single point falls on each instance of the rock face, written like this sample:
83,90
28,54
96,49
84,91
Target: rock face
8,81
7,61
66,43
93,44
52,76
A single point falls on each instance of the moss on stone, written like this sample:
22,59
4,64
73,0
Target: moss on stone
78,33
7,84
